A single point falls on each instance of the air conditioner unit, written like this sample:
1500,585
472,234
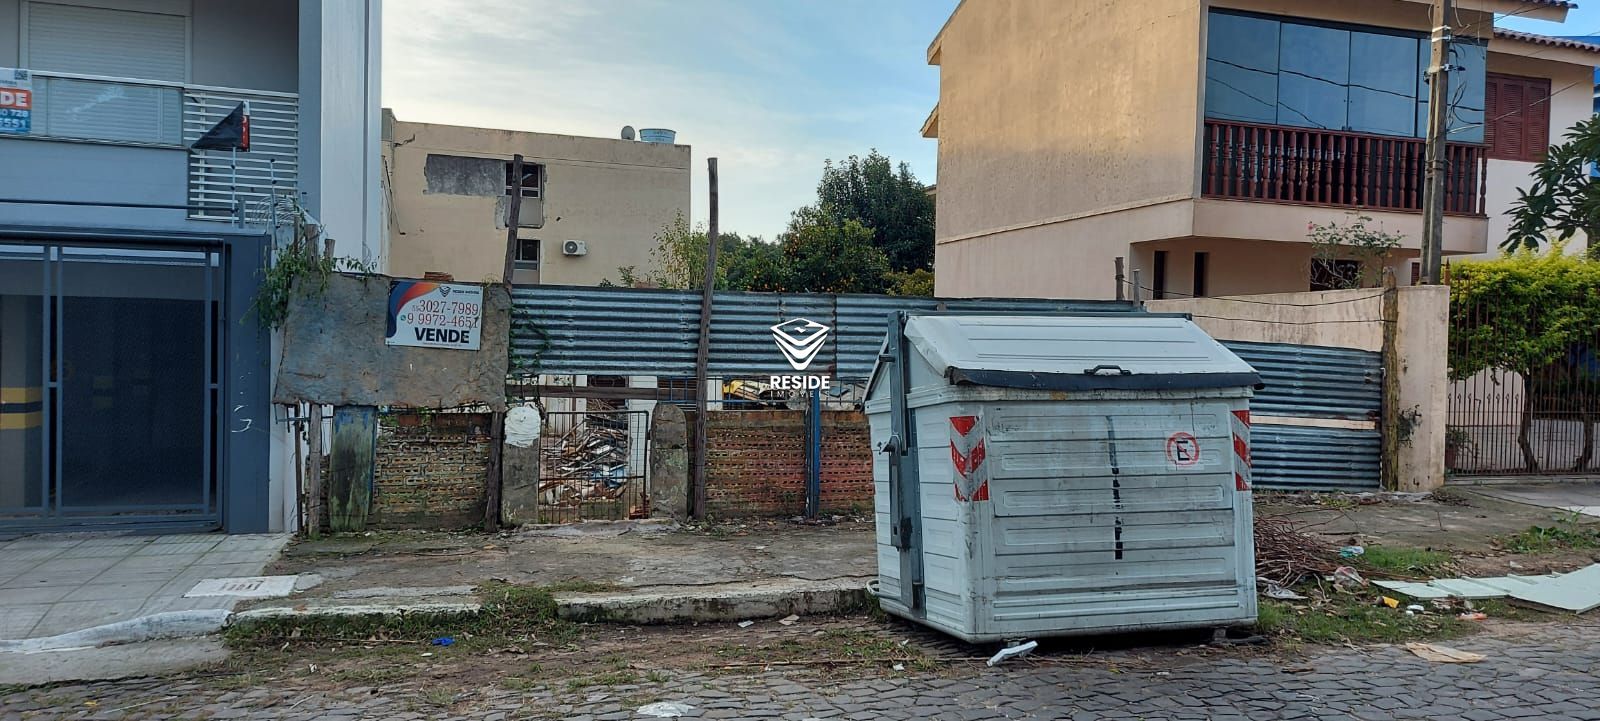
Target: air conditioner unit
574,247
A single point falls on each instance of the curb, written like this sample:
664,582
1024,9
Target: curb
171,624
720,604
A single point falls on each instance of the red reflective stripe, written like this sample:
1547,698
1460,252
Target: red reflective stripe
982,494
1238,482
1243,416
1242,450
958,460
963,424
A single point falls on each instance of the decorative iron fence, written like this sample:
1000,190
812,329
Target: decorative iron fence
1533,421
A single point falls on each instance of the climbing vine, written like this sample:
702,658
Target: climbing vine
298,264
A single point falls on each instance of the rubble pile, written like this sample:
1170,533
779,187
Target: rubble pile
587,463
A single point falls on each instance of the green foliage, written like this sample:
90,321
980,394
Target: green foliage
825,254
1352,619
887,200
917,282
1354,240
678,261
1563,199
297,266
1566,533
1522,312
1404,560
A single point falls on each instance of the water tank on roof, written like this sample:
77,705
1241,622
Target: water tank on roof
658,135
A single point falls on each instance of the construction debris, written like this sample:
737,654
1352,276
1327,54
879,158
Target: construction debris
1443,654
1285,555
591,462
1578,591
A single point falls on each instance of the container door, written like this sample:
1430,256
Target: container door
1112,515
905,507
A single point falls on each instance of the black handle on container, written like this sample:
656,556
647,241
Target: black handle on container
1107,367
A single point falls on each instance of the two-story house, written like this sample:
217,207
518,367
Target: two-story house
133,375
1198,139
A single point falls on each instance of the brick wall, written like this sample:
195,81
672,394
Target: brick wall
430,470
756,462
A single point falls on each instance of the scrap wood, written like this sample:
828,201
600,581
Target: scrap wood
1443,654
1285,554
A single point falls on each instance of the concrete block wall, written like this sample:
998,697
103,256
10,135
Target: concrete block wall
756,463
430,471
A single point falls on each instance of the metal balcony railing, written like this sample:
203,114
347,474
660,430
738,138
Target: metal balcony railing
1275,164
149,113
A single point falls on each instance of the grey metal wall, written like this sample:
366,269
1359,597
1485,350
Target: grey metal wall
634,331
1315,382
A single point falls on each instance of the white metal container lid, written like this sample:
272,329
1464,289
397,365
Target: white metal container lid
1076,352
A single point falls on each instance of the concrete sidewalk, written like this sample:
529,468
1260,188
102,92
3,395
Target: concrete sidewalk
640,572
55,584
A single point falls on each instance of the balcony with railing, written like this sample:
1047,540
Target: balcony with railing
1275,164
148,113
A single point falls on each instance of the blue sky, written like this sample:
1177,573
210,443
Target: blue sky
770,88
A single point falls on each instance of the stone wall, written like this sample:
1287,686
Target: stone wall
756,463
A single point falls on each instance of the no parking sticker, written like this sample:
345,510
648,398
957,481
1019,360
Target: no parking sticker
1183,449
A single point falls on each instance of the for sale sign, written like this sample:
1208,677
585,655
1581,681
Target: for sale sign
16,101
435,315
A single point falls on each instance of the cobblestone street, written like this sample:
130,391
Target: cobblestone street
1532,672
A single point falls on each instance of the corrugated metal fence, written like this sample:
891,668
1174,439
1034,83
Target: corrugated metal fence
632,331
629,331
1326,386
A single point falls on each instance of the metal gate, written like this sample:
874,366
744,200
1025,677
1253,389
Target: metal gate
1315,424
592,465
111,368
1538,422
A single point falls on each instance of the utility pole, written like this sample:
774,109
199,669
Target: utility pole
702,358
513,220
1438,131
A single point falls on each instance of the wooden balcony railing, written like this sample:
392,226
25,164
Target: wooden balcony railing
1322,167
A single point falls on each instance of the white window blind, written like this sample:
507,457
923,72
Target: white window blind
114,43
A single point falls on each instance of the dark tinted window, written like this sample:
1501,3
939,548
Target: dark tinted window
1313,76
1242,69
1383,84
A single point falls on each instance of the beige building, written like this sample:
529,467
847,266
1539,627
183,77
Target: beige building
1199,138
589,205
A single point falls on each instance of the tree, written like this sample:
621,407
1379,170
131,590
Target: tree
1369,247
823,253
678,260
911,282
886,199
1563,199
1535,315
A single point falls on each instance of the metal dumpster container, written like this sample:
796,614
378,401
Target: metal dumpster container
1061,475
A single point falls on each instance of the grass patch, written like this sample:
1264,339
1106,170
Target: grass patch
1567,533
1353,621
507,609
612,678
1421,561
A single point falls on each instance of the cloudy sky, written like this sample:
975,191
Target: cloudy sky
769,88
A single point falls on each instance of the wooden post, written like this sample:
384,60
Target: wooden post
1121,279
314,472
493,479
513,219
355,435
1390,413
1438,162
702,357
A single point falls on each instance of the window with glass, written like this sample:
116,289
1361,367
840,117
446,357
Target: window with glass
1273,71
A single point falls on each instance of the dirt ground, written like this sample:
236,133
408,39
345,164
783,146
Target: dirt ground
1457,520
622,555
633,555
